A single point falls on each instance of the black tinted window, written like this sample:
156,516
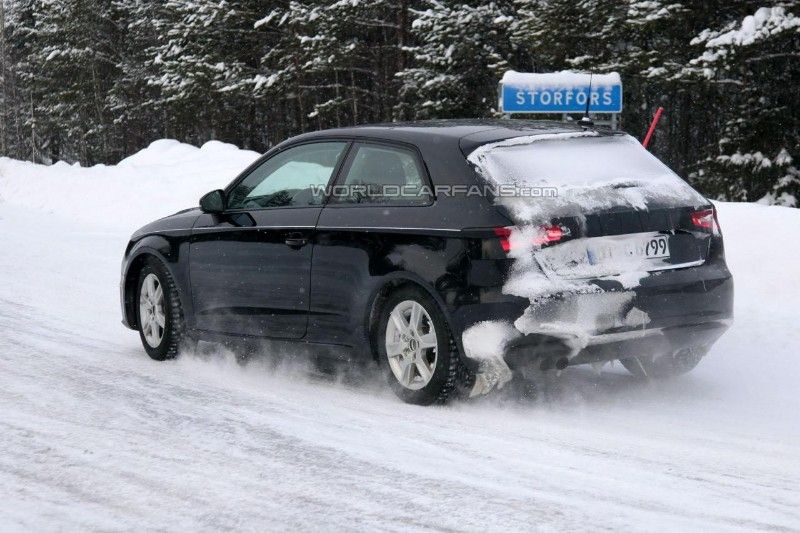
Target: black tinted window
383,174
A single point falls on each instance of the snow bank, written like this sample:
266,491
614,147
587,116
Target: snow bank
165,177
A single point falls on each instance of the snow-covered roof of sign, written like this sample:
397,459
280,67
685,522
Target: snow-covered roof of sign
565,79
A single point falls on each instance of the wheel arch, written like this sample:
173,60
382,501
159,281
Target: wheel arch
150,247
390,284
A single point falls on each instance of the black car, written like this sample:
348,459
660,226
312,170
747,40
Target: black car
387,243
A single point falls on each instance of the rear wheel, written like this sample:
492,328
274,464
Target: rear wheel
159,313
668,365
415,348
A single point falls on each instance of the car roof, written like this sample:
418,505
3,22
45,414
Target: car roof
466,134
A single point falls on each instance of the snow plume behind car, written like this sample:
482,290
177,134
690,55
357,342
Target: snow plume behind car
593,174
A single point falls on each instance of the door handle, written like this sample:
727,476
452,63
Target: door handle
295,240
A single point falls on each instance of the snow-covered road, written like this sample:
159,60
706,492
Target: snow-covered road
94,435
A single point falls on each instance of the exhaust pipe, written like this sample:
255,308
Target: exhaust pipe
559,363
562,363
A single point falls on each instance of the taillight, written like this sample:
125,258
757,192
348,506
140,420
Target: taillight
706,219
505,238
546,234
550,234
703,219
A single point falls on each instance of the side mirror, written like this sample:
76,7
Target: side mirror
213,202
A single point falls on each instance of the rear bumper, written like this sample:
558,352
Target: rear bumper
668,311
548,351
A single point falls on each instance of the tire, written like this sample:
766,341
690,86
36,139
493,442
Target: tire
441,359
170,337
666,366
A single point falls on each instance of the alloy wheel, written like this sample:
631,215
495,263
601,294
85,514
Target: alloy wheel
411,344
151,310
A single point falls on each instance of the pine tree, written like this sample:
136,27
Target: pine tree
653,46
556,35
202,63
333,64
458,61
19,114
754,64
132,101
4,83
69,72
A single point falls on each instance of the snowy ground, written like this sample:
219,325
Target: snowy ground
94,435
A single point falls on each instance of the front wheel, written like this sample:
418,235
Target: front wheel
159,313
415,348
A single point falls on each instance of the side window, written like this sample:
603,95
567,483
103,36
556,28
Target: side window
382,174
294,177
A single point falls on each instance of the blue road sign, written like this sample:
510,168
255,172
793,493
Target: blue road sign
560,92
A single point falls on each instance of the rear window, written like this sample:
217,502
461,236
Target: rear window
569,160
545,176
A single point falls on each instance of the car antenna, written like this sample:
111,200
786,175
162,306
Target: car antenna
585,121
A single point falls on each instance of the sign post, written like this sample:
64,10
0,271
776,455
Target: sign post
561,93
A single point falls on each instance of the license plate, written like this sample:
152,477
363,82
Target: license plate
656,247
606,250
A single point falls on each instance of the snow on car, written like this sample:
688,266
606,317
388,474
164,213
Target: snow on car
616,216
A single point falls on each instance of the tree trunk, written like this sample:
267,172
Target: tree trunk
3,79
33,132
402,34
354,97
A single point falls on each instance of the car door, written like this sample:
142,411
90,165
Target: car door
378,217
250,266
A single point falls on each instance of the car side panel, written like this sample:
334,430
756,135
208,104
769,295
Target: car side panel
359,250
246,278
350,266
168,240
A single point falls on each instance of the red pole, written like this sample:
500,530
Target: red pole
650,131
